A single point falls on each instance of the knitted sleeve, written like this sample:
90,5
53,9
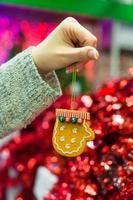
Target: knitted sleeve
24,93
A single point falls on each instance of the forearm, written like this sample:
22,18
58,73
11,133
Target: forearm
23,92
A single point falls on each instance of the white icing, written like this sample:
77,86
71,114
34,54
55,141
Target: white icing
67,146
62,128
62,138
74,130
73,140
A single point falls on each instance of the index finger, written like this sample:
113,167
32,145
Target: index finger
80,35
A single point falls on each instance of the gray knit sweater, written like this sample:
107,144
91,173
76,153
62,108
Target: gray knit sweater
24,93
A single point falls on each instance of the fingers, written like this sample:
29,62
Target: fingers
80,56
78,34
83,54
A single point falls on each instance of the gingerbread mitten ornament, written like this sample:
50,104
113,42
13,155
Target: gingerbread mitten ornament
71,131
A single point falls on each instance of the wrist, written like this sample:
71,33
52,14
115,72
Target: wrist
38,61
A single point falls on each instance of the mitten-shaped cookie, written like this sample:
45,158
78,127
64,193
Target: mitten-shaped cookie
71,132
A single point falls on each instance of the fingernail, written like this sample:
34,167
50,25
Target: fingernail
93,54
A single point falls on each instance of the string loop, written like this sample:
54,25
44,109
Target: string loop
73,94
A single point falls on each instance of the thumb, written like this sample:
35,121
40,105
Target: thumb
84,54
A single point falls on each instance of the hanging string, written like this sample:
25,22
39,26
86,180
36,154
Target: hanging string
73,94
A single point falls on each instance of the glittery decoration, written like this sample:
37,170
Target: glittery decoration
18,33
103,171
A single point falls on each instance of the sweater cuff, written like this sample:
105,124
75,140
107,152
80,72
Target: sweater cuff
27,93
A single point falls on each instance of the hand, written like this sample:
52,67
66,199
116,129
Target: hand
70,44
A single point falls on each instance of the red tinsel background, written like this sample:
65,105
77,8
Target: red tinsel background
102,172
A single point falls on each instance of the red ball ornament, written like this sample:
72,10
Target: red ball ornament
68,119
80,121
